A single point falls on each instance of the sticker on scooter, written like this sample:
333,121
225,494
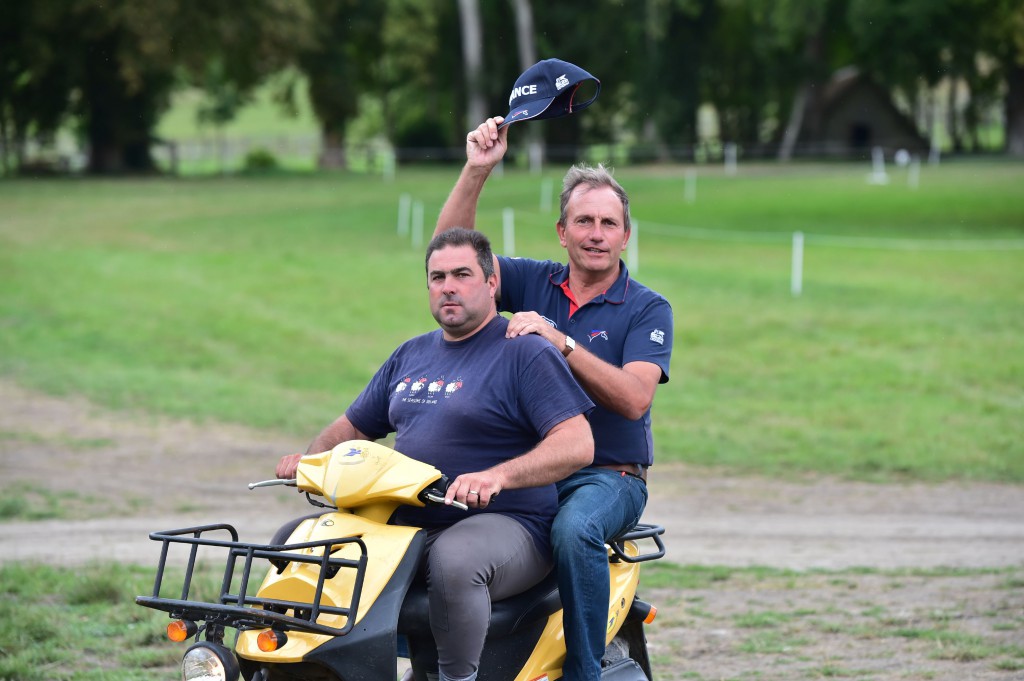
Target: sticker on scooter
351,457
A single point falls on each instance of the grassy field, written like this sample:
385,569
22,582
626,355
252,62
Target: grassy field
269,301
713,623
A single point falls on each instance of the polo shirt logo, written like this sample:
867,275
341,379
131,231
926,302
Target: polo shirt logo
549,321
658,336
598,333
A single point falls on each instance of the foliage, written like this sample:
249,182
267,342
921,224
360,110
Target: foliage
761,63
118,61
259,160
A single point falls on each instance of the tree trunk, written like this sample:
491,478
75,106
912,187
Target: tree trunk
4,146
796,120
472,60
332,150
119,123
528,57
952,120
1015,110
807,113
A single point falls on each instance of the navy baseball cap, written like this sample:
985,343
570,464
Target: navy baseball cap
548,90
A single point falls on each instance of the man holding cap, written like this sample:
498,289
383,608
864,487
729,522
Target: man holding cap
615,333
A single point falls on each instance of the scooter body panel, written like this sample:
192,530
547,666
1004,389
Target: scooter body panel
297,581
367,653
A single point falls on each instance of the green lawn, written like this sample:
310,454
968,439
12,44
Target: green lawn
269,301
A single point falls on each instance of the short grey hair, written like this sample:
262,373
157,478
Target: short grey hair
460,236
593,177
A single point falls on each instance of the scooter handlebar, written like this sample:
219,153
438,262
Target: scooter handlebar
436,498
273,483
439,499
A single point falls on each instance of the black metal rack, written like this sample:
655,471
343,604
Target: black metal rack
243,611
640,531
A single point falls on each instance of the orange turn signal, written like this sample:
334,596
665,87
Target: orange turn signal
269,640
651,615
181,630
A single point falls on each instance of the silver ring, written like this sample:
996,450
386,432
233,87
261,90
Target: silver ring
473,491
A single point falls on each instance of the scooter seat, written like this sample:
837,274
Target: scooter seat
507,615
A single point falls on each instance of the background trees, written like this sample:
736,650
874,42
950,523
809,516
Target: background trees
430,67
110,66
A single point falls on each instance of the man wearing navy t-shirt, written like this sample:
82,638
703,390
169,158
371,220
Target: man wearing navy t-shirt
496,414
617,337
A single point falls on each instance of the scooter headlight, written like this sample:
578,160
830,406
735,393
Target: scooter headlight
206,661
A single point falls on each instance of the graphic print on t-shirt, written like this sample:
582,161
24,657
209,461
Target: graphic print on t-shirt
435,389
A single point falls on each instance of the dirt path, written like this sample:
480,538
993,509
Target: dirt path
117,478
113,478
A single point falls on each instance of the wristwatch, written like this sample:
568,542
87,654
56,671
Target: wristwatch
570,345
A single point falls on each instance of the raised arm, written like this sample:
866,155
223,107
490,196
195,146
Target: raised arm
567,447
485,147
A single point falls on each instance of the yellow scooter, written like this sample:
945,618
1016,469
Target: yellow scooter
342,593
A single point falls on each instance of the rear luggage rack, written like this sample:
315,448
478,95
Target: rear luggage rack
640,531
242,611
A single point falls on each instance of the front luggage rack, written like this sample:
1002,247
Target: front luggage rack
243,611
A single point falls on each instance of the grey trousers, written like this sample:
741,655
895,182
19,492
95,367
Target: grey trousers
484,558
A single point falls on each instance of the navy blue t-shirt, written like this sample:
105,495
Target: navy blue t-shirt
627,323
465,406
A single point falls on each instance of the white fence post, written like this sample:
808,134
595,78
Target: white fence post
730,158
546,190
633,249
796,280
508,230
690,189
404,204
417,224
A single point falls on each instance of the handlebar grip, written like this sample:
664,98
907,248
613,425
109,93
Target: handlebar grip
272,483
438,499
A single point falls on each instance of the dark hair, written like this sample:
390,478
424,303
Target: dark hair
459,236
593,177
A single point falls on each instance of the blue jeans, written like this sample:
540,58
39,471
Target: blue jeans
595,506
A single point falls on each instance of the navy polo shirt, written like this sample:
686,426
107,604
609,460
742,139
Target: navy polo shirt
627,323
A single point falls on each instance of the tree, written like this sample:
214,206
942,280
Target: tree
975,43
744,76
527,50
340,63
34,77
814,30
472,57
1002,33
120,59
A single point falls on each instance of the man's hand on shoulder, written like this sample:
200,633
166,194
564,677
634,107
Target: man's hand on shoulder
522,323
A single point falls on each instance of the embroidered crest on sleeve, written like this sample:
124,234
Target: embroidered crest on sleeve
658,336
